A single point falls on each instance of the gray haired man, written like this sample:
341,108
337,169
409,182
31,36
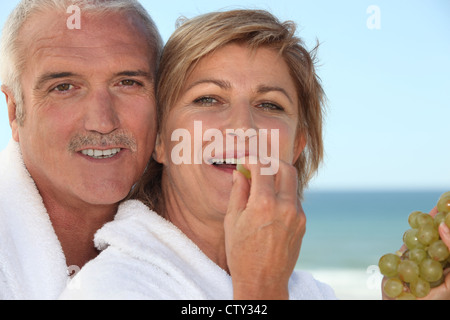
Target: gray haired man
78,77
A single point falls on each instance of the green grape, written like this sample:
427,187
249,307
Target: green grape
388,264
408,271
424,219
439,218
444,203
412,219
411,240
438,251
427,234
421,267
420,288
244,171
393,287
437,283
447,220
417,255
406,296
430,270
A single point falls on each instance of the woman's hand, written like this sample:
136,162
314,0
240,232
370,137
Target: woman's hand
443,291
264,228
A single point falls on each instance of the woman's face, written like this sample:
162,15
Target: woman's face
229,97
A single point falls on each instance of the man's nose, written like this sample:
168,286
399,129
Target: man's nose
101,112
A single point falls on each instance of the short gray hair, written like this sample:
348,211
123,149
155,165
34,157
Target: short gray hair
11,65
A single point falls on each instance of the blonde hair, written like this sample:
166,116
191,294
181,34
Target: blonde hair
200,36
11,49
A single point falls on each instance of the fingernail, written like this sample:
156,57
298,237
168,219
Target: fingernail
234,176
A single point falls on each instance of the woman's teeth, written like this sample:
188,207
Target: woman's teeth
101,154
223,161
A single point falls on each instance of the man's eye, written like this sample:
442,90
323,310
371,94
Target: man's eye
63,87
128,83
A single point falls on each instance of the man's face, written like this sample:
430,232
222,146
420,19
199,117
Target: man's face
90,121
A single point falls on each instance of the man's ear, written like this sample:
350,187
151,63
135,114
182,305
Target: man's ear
12,112
159,152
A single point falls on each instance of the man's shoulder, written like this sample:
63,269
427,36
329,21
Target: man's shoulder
9,156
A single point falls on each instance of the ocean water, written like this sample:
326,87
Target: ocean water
347,233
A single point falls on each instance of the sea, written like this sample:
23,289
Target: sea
347,233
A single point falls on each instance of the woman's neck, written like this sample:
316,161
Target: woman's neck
203,228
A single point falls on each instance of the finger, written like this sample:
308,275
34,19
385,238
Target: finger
441,292
286,182
262,186
434,212
239,194
444,232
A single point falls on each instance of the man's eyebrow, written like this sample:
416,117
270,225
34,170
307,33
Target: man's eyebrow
59,75
137,73
52,76
265,89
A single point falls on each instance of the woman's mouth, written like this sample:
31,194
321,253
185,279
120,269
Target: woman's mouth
224,164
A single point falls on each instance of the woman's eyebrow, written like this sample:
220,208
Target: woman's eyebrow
265,89
220,83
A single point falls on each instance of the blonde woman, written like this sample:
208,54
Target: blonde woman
198,228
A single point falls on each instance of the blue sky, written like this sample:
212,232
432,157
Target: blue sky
388,89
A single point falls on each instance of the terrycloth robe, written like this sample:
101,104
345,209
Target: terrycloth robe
146,257
32,263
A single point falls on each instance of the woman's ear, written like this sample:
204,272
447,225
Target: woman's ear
12,112
159,152
300,144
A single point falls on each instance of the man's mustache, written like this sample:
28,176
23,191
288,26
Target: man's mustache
115,139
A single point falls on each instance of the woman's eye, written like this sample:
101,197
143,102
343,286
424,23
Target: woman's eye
205,101
270,106
63,87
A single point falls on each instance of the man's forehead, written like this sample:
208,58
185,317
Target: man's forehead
49,29
102,40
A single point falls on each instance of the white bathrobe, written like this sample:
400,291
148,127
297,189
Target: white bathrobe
146,257
32,263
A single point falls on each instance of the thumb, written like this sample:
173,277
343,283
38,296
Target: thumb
444,232
240,192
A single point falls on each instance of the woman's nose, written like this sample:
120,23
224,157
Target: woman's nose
242,130
241,116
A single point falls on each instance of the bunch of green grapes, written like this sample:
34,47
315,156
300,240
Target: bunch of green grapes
413,273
